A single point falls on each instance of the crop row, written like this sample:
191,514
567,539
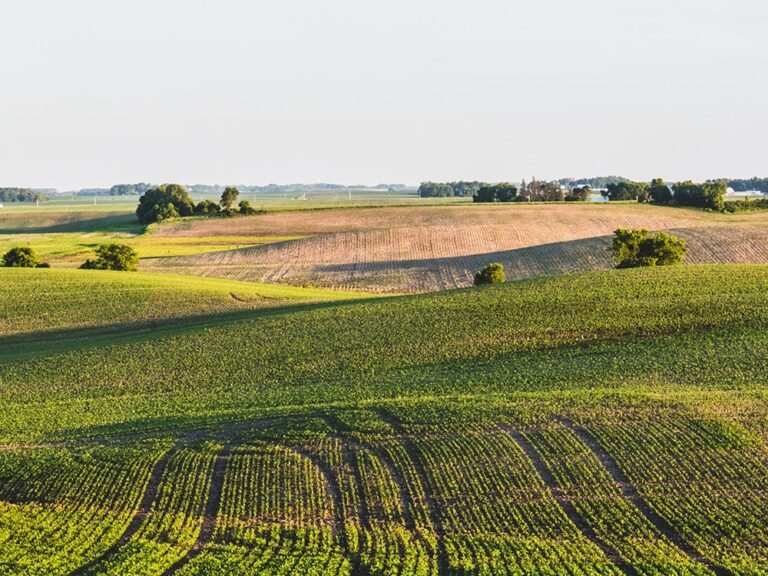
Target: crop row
705,478
403,497
599,501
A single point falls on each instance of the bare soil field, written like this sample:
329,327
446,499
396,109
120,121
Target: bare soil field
579,218
430,249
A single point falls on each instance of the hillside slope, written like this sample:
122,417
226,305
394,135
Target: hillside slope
45,300
606,423
428,259
528,335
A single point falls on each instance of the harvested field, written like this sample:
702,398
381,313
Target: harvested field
384,251
581,220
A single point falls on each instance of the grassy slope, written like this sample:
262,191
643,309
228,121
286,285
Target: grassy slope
68,238
682,328
408,421
40,300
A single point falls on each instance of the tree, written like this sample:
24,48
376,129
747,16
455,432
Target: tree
710,195
229,197
435,190
163,202
659,192
113,257
207,207
491,274
579,194
639,247
21,257
247,209
541,191
503,192
626,191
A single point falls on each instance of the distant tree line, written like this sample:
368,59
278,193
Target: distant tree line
533,191
745,185
129,189
596,182
21,195
449,189
709,195
173,201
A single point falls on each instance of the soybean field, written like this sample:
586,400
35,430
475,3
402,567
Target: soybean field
610,422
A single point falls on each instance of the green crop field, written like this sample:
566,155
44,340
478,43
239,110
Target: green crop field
609,422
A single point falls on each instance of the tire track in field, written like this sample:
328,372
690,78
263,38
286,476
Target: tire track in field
156,477
333,489
406,500
141,514
630,493
421,471
344,434
565,504
212,505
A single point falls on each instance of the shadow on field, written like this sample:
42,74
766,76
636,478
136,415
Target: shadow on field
21,346
519,264
68,222
707,245
223,426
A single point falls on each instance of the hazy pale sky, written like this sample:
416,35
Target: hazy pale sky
96,92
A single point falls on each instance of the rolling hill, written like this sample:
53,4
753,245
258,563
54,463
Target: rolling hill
600,423
431,249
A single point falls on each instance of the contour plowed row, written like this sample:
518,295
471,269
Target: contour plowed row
425,260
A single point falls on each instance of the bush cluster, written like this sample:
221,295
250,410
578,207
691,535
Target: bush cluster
173,201
113,257
640,247
23,257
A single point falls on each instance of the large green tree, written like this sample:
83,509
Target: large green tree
502,192
229,197
710,195
626,191
163,202
658,192
640,247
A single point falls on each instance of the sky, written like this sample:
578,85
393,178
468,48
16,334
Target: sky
98,92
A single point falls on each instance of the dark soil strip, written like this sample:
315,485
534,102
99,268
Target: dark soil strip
566,505
138,517
209,517
629,491
421,470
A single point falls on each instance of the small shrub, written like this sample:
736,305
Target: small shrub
491,274
113,257
639,247
247,209
21,257
207,208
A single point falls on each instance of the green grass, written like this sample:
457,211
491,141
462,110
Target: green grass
568,425
68,238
